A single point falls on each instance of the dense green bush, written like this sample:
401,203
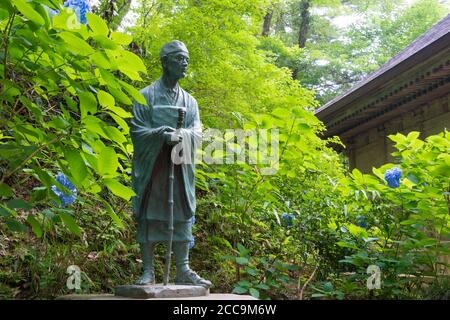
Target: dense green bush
309,230
406,229
65,91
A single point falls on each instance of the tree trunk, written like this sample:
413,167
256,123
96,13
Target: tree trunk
122,9
113,12
305,22
267,23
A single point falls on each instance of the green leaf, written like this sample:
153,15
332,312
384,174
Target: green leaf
5,212
244,284
133,92
113,215
109,78
121,38
58,122
128,63
120,112
76,44
105,99
346,245
4,14
98,26
105,42
44,177
251,271
18,204
7,6
356,230
107,162
242,249
262,286
120,96
122,123
95,125
16,226
39,193
442,170
114,134
70,223
239,290
44,14
28,11
35,226
119,189
99,59
77,166
241,260
280,113
254,292
413,135
88,103
5,190
132,61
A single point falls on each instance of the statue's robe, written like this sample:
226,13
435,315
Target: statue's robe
150,175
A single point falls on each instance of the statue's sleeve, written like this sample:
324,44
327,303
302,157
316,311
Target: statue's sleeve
193,125
191,134
147,143
141,124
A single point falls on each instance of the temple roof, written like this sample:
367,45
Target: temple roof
422,64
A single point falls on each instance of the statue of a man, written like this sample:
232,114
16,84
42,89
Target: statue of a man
153,144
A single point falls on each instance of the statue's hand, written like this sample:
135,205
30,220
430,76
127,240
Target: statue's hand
173,138
167,129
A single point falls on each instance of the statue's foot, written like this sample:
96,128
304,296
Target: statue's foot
147,278
189,277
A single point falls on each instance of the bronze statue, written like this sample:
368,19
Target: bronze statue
160,201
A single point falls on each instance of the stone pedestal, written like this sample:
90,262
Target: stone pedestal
159,291
212,296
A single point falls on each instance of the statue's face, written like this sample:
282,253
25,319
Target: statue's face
176,64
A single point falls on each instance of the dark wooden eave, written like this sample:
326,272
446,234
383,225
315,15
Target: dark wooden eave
418,74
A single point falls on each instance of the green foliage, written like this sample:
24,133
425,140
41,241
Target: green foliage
62,111
406,226
51,120
67,90
258,276
348,39
227,73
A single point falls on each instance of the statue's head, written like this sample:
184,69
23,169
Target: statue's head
174,59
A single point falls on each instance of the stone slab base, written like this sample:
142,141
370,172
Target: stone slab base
212,296
160,291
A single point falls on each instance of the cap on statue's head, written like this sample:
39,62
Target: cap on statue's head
173,47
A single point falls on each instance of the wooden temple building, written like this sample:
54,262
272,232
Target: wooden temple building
411,92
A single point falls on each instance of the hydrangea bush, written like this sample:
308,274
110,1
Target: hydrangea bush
405,222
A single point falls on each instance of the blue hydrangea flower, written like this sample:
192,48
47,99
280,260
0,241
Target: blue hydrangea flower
392,176
81,7
287,219
65,198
